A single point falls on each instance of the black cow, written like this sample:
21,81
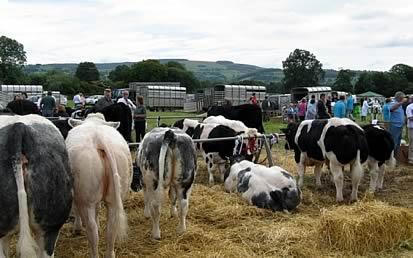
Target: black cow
120,112
381,146
36,184
23,107
63,126
250,115
335,141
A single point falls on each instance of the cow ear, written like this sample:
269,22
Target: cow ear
113,124
74,122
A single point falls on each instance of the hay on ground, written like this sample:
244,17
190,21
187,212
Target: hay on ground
365,227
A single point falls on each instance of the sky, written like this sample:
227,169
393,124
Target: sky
359,34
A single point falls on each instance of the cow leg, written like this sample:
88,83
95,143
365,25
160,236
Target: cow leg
381,176
183,209
110,232
222,170
147,210
356,175
47,243
153,203
77,222
209,160
4,246
173,197
88,215
317,173
337,172
301,171
373,168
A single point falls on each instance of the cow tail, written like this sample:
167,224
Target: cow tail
391,162
169,137
26,245
121,222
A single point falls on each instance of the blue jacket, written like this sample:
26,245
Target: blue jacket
339,109
350,103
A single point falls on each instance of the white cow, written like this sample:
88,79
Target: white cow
272,188
167,158
102,167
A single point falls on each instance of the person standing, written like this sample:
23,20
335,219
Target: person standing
364,110
340,108
311,109
350,106
291,113
302,109
125,100
139,117
329,105
253,99
105,101
386,113
409,115
266,106
48,104
397,118
321,108
77,100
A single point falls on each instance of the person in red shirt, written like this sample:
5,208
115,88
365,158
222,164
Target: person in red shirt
254,99
302,109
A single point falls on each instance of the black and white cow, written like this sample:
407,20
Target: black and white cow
381,147
22,107
250,115
120,112
271,188
167,158
334,141
36,184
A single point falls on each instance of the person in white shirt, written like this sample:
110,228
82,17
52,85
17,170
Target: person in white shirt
409,115
77,100
125,100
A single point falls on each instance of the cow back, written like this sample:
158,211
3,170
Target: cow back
309,133
380,142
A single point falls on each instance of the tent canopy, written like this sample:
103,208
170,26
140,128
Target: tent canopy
370,94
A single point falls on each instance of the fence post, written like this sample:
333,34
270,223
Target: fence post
268,150
158,121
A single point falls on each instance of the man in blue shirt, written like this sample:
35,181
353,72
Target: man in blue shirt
397,118
350,106
386,113
340,108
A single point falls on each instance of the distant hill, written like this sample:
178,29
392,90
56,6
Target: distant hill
219,71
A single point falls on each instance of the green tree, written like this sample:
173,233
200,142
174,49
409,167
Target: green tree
122,73
364,83
148,71
186,78
301,69
87,71
12,59
403,70
343,81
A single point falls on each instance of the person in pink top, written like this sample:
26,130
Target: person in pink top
302,109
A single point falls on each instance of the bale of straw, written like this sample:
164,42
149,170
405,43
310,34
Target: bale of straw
365,227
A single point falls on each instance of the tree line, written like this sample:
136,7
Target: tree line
301,69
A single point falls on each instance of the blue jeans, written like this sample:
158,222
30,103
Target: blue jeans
396,133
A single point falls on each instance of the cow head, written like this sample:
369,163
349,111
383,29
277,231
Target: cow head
285,199
290,132
96,118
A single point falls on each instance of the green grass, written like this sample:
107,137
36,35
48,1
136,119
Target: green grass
70,103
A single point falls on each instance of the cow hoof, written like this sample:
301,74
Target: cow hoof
157,238
353,200
180,230
77,232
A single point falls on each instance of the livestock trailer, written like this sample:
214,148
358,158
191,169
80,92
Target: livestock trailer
305,92
279,101
234,94
157,95
4,99
14,90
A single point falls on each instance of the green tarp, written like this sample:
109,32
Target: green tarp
370,94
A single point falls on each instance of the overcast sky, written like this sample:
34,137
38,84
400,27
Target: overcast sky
359,34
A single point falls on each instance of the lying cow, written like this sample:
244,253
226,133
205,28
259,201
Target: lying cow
334,141
35,185
271,188
167,158
381,147
102,167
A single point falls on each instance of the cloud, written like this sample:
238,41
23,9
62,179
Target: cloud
256,32
396,42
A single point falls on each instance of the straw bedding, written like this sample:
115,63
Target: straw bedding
223,225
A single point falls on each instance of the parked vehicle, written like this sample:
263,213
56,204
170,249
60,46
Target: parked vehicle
91,100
